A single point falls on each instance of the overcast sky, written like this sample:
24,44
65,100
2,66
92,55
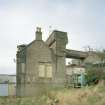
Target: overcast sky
84,20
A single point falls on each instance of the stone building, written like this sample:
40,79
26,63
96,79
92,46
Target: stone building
41,64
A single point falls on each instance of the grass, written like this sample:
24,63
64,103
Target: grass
93,95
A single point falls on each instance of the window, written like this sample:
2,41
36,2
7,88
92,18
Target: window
45,70
49,71
41,70
23,67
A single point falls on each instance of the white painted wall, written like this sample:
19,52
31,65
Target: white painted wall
77,70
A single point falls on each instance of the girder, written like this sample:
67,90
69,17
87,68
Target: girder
75,54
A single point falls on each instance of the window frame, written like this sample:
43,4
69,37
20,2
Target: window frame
46,72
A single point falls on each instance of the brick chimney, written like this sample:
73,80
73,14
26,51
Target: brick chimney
38,33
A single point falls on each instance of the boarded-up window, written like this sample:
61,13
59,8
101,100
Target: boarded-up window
41,70
49,71
45,70
23,67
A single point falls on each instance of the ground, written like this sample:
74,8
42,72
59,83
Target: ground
92,95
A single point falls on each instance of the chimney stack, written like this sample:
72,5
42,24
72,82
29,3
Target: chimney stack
38,33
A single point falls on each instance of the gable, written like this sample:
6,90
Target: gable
38,51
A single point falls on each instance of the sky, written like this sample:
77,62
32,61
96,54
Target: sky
83,20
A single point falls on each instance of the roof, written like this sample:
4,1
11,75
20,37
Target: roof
25,47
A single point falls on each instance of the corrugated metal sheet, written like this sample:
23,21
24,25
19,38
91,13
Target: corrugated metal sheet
3,89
